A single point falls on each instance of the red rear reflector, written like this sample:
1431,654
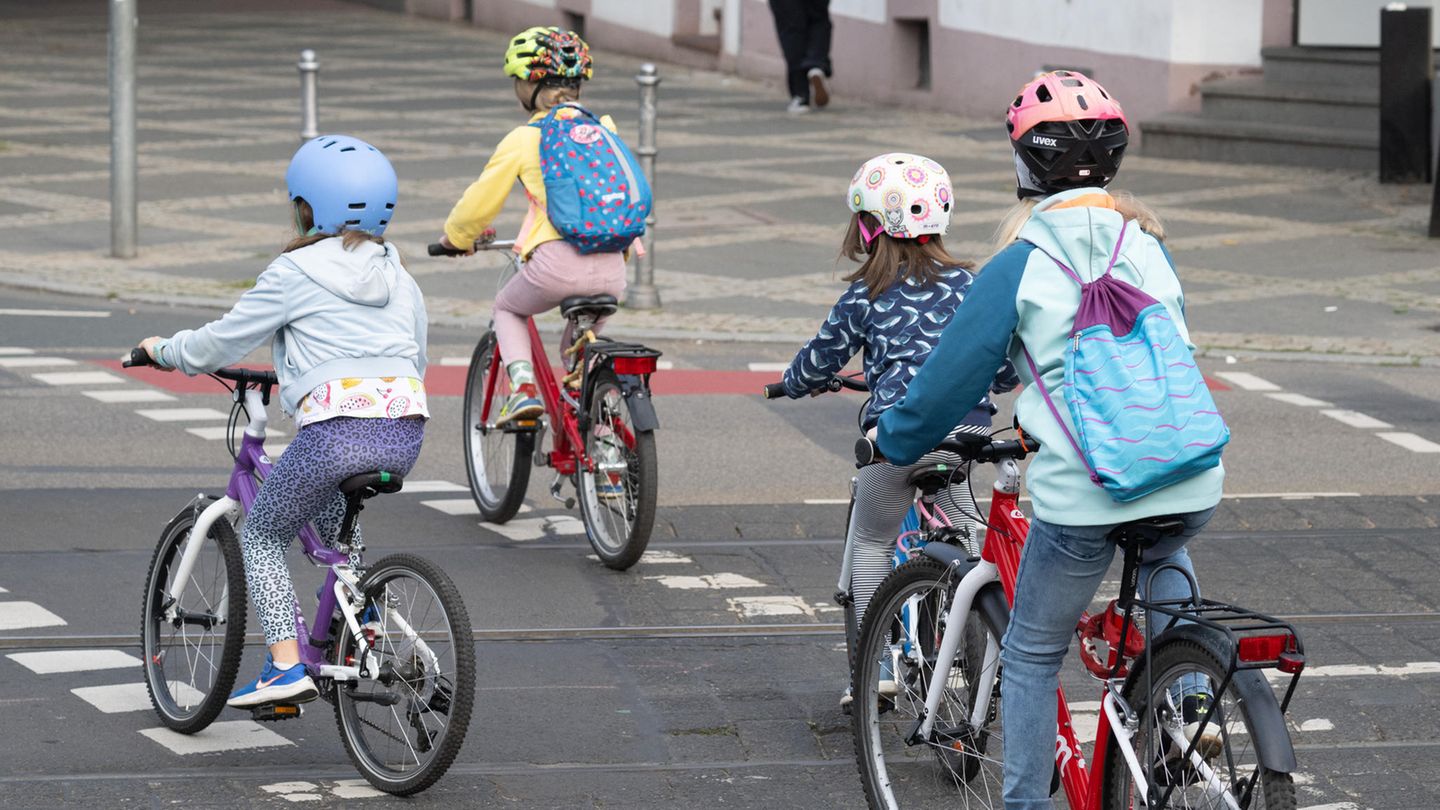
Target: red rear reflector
1258,649
634,365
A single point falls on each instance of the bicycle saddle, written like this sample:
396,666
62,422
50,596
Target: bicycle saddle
1147,531
370,484
598,305
934,477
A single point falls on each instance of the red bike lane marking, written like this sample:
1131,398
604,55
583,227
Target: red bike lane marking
449,381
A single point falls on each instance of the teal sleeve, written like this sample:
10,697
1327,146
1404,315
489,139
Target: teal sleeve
957,374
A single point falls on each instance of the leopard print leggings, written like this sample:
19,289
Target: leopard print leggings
303,487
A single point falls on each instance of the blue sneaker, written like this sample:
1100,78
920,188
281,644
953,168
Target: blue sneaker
275,685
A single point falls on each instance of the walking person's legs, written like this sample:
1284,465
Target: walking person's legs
816,62
792,30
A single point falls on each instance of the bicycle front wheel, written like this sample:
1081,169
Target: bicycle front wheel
193,641
496,460
403,729
1224,771
959,764
617,499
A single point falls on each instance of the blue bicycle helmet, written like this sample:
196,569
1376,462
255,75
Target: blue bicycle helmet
347,182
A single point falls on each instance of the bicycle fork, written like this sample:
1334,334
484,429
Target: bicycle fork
224,507
981,575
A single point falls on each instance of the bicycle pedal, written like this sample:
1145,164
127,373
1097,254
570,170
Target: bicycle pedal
272,712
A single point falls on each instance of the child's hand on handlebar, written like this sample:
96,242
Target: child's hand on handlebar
148,346
450,246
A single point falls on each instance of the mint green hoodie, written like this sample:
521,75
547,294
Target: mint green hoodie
1022,297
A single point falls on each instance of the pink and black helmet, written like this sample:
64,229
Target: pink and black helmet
1067,132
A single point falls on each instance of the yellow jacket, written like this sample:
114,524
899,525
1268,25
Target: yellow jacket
516,156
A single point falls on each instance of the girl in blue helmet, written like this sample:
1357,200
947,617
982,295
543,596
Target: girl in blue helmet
346,324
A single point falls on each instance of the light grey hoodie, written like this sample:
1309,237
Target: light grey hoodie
330,312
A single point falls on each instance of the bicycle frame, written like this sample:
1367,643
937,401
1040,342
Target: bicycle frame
1000,561
568,450
251,468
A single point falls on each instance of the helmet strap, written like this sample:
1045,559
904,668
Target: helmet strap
866,234
540,85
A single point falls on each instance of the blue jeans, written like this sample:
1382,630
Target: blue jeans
1060,569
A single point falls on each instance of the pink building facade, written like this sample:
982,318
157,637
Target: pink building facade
965,56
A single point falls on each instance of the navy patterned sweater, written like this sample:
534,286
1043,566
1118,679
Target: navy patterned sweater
897,330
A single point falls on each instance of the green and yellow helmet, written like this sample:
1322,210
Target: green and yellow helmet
547,53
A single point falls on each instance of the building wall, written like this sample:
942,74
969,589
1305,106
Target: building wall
1150,53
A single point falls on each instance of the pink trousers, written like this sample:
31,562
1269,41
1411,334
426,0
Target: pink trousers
555,271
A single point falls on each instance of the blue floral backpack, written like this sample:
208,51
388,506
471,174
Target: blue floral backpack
595,194
1144,414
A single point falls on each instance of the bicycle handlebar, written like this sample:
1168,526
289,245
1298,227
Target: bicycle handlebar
245,376
833,385
867,453
437,249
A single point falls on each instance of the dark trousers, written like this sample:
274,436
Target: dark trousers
803,27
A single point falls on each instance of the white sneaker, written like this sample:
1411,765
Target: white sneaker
819,87
798,106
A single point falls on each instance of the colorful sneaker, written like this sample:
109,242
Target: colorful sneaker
275,685
819,87
887,686
524,403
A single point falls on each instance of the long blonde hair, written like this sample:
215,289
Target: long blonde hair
1125,203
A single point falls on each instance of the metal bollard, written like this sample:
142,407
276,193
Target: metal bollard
309,98
124,225
642,294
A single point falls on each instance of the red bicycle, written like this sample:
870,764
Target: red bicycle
933,632
599,416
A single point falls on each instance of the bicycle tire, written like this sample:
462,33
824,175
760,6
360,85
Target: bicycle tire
949,778
616,549
163,696
1277,790
498,493
458,700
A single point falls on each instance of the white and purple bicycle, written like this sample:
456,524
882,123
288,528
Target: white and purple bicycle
390,646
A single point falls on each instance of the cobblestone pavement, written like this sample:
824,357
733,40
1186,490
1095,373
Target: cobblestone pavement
749,200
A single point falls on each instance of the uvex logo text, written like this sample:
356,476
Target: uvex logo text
1042,141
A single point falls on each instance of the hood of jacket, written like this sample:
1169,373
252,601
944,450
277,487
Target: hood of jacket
367,275
1079,227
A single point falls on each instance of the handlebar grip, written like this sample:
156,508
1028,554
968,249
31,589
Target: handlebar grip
774,391
138,357
866,453
437,249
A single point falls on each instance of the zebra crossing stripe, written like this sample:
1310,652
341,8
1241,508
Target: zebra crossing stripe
53,661
34,362
131,697
182,414
25,615
230,735
130,395
78,378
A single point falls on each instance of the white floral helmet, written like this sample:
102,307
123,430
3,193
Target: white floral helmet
909,194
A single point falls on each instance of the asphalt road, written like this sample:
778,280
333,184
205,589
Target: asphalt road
708,675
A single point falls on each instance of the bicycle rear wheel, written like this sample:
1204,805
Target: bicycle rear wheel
960,765
192,644
404,729
497,461
617,500
1231,776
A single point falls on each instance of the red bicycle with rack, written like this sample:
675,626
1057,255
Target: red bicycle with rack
598,415
933,632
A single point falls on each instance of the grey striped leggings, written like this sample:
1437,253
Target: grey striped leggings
882,497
